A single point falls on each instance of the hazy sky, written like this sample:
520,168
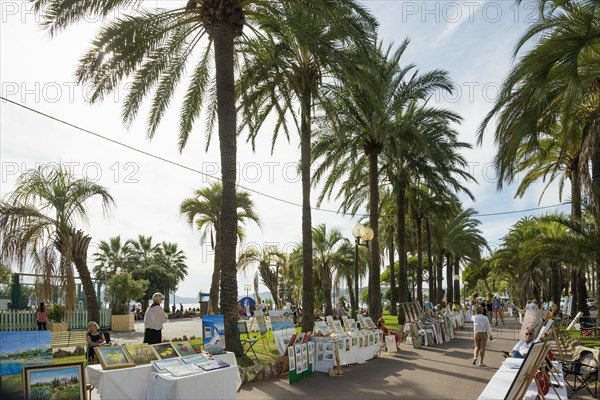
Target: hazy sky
473,40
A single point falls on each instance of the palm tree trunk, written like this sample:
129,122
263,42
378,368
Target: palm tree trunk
81,243
401,226
375,308
167,307
431,278
213,294
326,286
575,178
449,289
223,37
419,221
308,288
350,285
456,281
439,277
393,300
595,161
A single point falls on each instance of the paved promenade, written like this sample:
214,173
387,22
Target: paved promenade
439,372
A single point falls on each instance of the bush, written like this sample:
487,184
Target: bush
57,313
123,288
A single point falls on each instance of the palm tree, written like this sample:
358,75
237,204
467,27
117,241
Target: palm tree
111,255
267,258
173,260
40,217
554,88
326,246
286,68
142,252
204,210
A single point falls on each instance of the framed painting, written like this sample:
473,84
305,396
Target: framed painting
183,348
162,365
165,350
112,357
141,353
45,381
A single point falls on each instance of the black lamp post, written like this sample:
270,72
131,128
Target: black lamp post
359,231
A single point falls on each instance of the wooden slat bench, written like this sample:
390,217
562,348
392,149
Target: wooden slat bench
68,339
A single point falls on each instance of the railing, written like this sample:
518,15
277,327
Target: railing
25,320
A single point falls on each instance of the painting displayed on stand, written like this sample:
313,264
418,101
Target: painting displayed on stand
64,381
213,333
24,348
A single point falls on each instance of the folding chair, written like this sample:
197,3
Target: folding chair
248,343
584,369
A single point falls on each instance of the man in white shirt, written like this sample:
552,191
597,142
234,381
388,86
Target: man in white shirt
522,347
482,331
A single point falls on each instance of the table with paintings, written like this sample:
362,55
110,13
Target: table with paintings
216,384
137,382
498,387
353,348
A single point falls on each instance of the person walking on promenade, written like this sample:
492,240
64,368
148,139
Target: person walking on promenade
482,331
498,311
154,320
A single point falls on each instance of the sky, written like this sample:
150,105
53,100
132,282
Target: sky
473,40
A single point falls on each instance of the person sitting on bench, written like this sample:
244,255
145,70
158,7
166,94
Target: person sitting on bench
386,331
94,338
522,347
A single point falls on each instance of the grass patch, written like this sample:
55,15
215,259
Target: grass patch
587,341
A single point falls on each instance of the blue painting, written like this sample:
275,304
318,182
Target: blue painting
213,333
24,348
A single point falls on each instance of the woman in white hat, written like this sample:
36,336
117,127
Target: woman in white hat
154,319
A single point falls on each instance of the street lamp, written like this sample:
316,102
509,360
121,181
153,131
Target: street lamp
247,287
359,231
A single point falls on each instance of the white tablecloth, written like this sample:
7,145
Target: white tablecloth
122,383
217,384
498,386
132,383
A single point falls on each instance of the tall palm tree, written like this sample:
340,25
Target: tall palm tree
284,74
205,212
354,130
155,47
40,218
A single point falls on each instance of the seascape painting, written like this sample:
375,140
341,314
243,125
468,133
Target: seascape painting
24,348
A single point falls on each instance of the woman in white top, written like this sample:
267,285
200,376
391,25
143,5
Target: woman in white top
482,330
154,319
